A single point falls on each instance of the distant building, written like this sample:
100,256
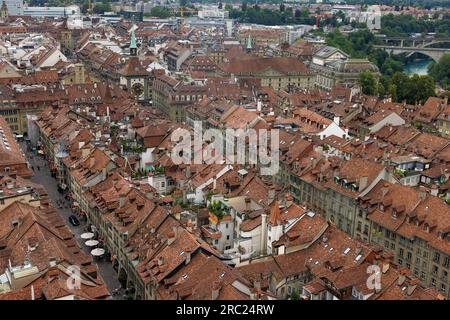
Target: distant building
278,72
332,66
15,7
212,13
3,11
55,12
133,75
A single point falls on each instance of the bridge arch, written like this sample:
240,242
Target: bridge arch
432,56
425,45
433,53
435,56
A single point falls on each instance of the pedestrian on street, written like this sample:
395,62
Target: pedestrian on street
39,168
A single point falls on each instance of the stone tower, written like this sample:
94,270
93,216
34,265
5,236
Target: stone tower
79,74
4,11
249,42
133,75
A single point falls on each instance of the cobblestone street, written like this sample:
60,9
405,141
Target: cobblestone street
43,177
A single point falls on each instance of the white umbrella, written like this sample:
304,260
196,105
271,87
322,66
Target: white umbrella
87,235
98,252
91,243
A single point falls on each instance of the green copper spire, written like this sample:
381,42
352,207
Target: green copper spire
249,42
133,46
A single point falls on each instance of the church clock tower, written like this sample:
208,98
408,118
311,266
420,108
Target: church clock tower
133,75
4,11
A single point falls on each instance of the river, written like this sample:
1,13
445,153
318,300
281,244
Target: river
419,67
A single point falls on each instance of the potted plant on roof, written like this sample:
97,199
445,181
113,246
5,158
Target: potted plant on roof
215,208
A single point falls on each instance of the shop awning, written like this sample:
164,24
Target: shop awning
91,243
98,252
87,235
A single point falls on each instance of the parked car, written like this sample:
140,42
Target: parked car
74,220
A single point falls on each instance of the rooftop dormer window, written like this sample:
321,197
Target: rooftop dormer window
427,227
394,213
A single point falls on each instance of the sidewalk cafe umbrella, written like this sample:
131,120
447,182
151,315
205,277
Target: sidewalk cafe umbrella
98,252
87,235
91,243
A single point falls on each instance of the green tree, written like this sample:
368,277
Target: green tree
391,66
101,8
441,71
294,296
160,12
415,89
368,82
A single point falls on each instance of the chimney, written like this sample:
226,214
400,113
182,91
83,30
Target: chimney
188,257
263,239
422,193
215,290
248,204
160,261
32,293
289,200
257,284
384,190
271,194
362,183
172,235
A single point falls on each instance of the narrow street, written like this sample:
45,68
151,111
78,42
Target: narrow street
43,177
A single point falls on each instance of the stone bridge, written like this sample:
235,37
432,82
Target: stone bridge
433,53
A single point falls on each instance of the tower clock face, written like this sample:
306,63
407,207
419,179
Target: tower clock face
137,89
